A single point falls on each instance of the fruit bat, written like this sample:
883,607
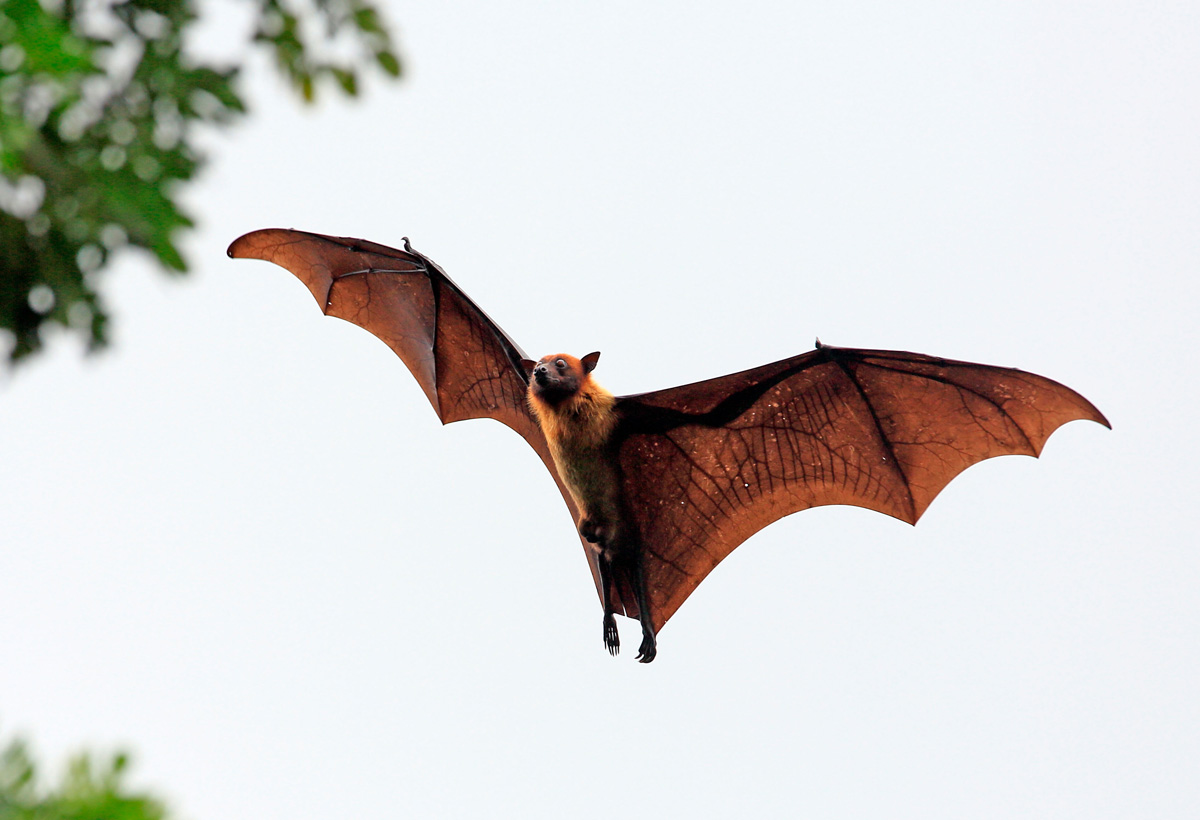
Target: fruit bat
664,485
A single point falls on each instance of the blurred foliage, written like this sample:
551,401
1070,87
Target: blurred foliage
90,790
99,106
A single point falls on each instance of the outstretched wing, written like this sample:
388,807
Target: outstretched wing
467,366
709,464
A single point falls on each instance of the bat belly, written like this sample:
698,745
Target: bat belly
594,482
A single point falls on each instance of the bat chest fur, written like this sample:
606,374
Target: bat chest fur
579,438
591,477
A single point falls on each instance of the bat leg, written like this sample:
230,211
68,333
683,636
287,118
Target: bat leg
612,640
649,648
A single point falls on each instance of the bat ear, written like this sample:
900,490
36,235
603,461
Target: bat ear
528,365
589,361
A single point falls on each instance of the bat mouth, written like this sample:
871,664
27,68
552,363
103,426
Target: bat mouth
552,391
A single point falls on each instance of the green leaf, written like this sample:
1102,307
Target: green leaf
367,19
389,62
346,79
115,165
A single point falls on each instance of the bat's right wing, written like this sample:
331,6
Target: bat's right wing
467,366
709,464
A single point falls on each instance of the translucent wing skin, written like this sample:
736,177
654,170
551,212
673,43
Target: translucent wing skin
468,367
709,464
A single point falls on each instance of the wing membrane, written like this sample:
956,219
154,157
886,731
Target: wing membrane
466,365
709,464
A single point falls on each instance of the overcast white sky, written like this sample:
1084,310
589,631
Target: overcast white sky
241,545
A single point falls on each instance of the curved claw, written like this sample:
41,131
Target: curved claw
649,648
612,641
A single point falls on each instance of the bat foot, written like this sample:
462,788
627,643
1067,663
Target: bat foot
593,530
612,641
649,648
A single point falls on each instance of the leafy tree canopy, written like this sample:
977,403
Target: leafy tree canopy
100,101
90,790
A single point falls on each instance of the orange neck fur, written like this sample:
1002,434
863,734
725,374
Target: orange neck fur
585,420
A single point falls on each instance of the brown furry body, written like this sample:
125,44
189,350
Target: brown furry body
578,418
578,432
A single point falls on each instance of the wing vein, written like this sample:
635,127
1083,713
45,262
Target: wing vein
884,442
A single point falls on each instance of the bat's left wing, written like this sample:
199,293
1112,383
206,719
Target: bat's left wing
709,464
467,366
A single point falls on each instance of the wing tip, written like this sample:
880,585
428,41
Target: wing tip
247,246
1086,410
237,247
251,245
1096,416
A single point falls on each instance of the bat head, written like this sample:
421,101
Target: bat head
558,377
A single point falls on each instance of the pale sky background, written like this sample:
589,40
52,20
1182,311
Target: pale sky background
240,544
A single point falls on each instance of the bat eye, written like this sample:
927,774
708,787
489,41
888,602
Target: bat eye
560,364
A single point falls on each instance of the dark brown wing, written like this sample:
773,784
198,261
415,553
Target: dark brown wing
467,366
709,464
